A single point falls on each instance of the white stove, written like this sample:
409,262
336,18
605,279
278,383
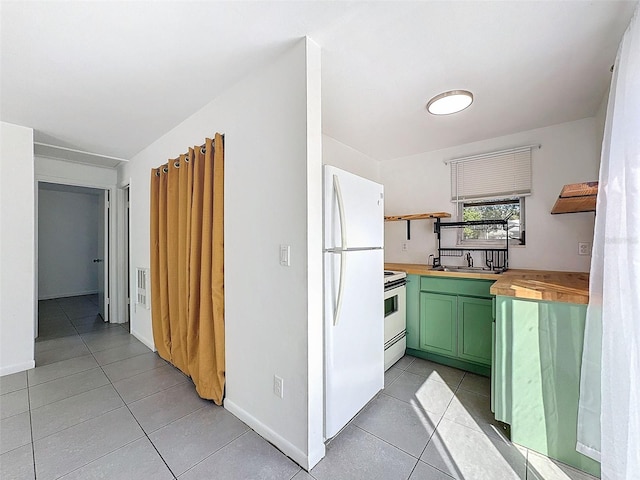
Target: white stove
395,317
391,276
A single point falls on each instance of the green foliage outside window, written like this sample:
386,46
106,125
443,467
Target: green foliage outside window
492,210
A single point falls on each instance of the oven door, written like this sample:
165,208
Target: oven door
395,324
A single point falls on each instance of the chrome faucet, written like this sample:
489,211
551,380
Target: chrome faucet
469,260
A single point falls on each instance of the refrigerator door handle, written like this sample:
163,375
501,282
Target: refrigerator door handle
336,313
343,226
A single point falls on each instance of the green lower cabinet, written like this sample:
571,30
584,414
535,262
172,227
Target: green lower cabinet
413,312
475,321
438,326
449,321
536,382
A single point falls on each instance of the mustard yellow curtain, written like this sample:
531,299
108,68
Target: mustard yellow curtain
187,265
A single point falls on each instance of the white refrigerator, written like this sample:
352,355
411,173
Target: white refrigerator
353,295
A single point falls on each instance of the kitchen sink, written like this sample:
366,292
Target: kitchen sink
468,270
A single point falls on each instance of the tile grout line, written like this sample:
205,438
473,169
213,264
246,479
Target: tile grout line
404,370
435,430
465,426
385,441
96,388
65,376
226,444
33,448
92,354
144,432
104,413
102,456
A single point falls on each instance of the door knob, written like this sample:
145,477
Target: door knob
97,260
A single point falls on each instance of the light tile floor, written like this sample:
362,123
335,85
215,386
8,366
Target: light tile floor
100,404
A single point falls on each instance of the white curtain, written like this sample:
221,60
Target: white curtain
609,407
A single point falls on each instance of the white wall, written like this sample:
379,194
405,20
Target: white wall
339,155
67,243
273,177
570,153
70,173
17,249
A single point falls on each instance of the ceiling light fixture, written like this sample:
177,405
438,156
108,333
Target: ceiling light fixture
452,101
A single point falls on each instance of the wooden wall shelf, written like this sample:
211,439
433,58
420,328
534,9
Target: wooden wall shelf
576,197
415,216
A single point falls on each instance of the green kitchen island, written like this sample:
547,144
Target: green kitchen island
536,369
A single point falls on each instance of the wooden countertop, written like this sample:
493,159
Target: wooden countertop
420,269
569,287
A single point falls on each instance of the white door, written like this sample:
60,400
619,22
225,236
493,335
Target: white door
103,256
354,340
362,203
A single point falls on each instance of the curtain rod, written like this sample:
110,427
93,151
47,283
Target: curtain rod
491,154
213,141
176,161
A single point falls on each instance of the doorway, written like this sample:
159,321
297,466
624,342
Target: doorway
102,253
126,260
73,225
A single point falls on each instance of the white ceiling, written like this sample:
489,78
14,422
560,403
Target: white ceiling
112,77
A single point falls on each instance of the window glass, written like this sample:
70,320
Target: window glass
511,209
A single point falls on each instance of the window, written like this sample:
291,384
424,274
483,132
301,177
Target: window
511,209
492,186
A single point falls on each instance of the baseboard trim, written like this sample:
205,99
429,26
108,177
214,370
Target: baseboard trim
315,456
451,362
143,339
17,367
64,295
305,461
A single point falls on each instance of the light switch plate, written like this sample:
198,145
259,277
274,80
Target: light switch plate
278,386
285,255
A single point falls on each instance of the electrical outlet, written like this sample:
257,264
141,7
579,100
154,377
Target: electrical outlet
584,248
278,386
405,247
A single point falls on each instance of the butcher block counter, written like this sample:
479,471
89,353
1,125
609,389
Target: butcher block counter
569,287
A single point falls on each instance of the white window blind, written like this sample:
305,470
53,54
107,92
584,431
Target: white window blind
493,175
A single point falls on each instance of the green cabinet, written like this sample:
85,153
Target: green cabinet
449,320
413,312
475,319
438,328
536,383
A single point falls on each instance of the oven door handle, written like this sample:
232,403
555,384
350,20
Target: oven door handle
343,268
